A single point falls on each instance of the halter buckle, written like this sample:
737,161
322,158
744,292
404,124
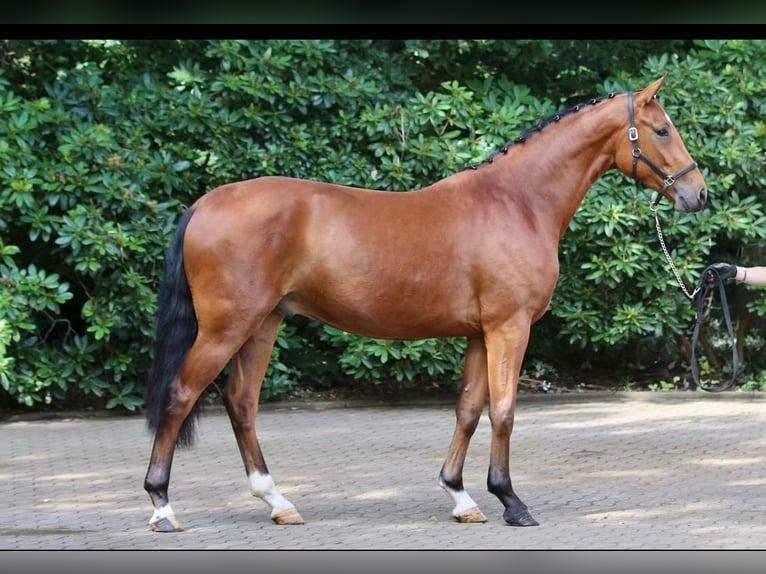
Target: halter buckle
633,134
669,181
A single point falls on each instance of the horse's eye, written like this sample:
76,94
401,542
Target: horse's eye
662,132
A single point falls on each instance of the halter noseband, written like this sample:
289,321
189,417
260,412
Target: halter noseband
667,180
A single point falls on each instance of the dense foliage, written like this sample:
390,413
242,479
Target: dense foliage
103,144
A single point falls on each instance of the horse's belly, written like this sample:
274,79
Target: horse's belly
385,318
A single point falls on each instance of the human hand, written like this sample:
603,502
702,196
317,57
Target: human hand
724,270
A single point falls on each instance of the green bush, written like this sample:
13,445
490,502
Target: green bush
616,285
104,143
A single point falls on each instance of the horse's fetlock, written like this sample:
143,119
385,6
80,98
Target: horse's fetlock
498,484
157,491
452,483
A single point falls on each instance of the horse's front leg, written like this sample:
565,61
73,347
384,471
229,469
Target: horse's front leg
473,396
505,352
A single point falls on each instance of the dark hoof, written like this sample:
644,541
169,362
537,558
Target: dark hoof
521,518
167,524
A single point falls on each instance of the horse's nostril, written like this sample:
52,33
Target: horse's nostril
703,195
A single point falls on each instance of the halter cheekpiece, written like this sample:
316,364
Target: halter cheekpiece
667,180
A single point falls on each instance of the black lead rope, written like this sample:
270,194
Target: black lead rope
708,281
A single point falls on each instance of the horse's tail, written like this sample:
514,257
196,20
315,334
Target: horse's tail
176,331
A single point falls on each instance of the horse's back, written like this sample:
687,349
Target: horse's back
327,215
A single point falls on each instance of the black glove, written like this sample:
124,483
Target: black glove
724,270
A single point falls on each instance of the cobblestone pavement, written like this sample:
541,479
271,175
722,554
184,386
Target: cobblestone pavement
620,471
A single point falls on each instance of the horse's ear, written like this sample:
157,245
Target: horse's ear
650,92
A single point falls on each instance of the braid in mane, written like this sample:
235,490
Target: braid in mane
542,124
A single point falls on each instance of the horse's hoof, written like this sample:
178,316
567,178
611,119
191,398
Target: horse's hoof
289,516
522,518
471,515
166,524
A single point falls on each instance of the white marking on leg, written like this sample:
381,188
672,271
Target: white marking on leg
161,512
462,499
262,486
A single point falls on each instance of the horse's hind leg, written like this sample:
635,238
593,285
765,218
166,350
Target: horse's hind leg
473,396
242,392
200,367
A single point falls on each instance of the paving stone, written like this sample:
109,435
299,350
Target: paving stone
620,471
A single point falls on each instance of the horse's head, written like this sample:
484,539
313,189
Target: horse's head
653,153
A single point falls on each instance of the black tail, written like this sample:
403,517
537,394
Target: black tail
176,331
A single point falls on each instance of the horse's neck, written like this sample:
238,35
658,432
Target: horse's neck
553,170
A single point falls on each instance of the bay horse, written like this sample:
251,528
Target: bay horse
473,255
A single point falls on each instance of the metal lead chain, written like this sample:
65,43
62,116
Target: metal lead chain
669,258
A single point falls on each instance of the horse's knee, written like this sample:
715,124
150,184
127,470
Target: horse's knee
468,419
501,418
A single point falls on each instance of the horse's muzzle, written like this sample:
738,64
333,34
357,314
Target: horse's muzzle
691,202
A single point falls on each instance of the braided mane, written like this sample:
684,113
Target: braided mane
539,127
